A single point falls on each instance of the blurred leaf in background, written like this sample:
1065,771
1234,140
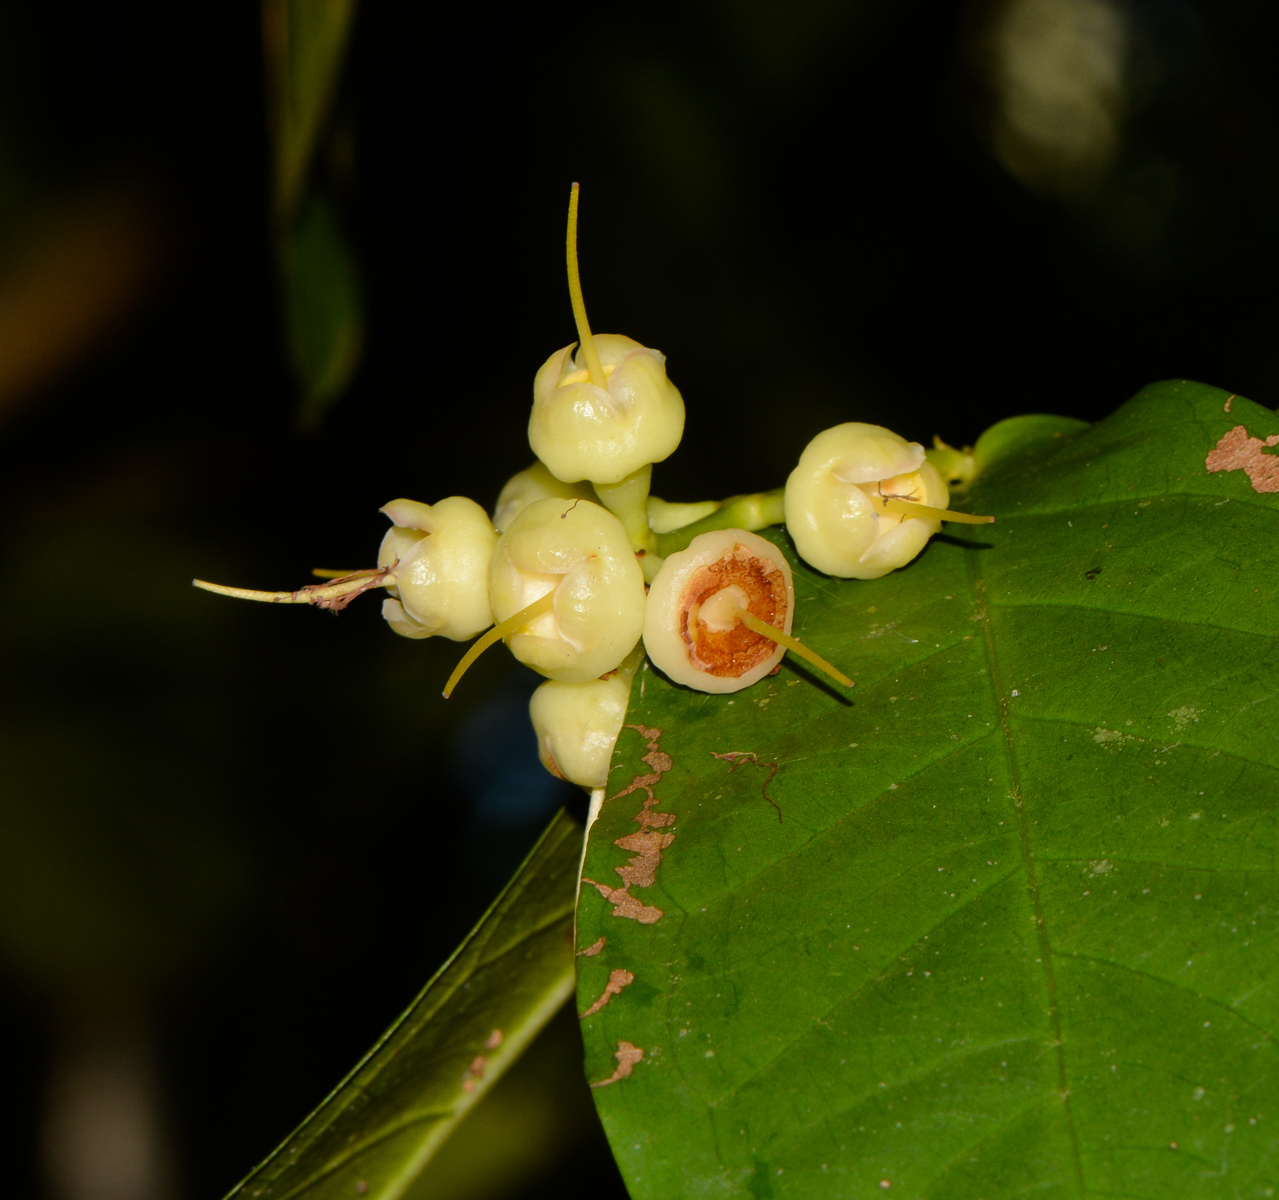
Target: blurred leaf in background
306,45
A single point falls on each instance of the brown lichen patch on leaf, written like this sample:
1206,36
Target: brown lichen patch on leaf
617,980
730,653
1229,401
594,948
658,759
474,1073
1238,452
641,871
494,1040
737,757
627,1056
647,845
626,905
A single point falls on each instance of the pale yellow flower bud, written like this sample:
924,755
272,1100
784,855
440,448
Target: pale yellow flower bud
693,630
534,483
439,554
579,552
577,724
839,501
581,431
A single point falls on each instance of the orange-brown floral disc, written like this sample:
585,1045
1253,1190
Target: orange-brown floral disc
693,627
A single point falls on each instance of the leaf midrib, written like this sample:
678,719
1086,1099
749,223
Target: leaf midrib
995,675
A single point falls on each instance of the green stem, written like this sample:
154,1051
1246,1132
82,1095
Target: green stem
757,510
628,502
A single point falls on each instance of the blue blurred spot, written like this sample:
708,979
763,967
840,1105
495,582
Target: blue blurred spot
495,761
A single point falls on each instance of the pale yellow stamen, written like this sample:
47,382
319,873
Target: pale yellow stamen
794,645
499,631
908,508
593,367
584,376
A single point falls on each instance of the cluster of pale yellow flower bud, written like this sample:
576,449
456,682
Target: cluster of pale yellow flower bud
570,571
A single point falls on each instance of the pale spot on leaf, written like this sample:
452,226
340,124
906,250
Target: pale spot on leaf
1184,717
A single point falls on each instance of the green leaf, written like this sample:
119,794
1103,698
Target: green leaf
1018,436
380,1126
323,305
1003,922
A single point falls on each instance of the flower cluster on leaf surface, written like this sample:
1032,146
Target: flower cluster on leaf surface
583,573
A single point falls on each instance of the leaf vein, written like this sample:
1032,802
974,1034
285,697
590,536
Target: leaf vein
1181,987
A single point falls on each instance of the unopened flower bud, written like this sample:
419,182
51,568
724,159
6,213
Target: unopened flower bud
604,433
534,483
440,557
849,500
577,724
578,554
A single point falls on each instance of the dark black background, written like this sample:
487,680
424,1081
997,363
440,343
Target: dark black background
800,204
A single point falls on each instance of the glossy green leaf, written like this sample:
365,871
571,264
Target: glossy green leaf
377,1130
1002,922
1016,436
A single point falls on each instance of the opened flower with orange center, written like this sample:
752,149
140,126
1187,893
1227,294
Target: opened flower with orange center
719,614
